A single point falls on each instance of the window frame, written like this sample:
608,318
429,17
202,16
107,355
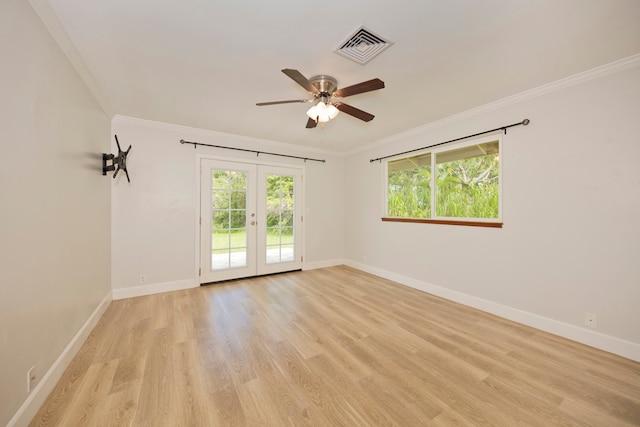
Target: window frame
435,219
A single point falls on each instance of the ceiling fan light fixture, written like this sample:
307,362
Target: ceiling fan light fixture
322,112
321,108
313,112
332,111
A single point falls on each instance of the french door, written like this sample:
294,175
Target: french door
250,220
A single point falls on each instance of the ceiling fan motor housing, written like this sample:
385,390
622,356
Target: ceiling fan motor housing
325,84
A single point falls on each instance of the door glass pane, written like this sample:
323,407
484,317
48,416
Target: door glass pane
228,219
220,218
238,200
238,219
286,253
219,259
273,254
220,199
280,224
286,236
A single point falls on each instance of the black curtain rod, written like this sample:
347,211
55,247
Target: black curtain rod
195,144
502,128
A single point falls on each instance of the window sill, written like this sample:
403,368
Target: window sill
445,222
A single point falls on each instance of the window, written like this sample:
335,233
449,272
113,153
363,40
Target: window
451,185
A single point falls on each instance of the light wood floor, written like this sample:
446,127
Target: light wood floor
331,347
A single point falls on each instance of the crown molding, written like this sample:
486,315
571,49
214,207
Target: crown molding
576,79
52,23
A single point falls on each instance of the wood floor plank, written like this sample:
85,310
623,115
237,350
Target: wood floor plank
158,388
84,409
191,387
593,416
119,407
132,363
225,403
331,347
293,367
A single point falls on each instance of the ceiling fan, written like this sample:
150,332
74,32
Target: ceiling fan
326,102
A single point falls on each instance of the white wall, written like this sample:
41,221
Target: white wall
55,207
571,237
154,217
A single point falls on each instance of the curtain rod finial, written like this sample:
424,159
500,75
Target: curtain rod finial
525,122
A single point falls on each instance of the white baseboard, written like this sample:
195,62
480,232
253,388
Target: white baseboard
154,288
36,399
614,345
322,264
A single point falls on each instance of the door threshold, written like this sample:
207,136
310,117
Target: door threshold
248,277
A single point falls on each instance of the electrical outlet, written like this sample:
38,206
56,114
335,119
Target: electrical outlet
143,278
31,378
590,320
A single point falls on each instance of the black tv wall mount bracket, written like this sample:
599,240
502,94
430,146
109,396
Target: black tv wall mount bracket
118,162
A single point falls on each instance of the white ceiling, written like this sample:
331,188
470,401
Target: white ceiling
205,63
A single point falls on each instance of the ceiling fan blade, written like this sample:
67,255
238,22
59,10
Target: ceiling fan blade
283,102
311,124
355,112
368,86
297,76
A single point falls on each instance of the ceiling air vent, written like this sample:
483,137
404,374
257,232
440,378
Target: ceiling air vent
362,46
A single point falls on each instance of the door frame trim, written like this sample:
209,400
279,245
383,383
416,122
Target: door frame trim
197,244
